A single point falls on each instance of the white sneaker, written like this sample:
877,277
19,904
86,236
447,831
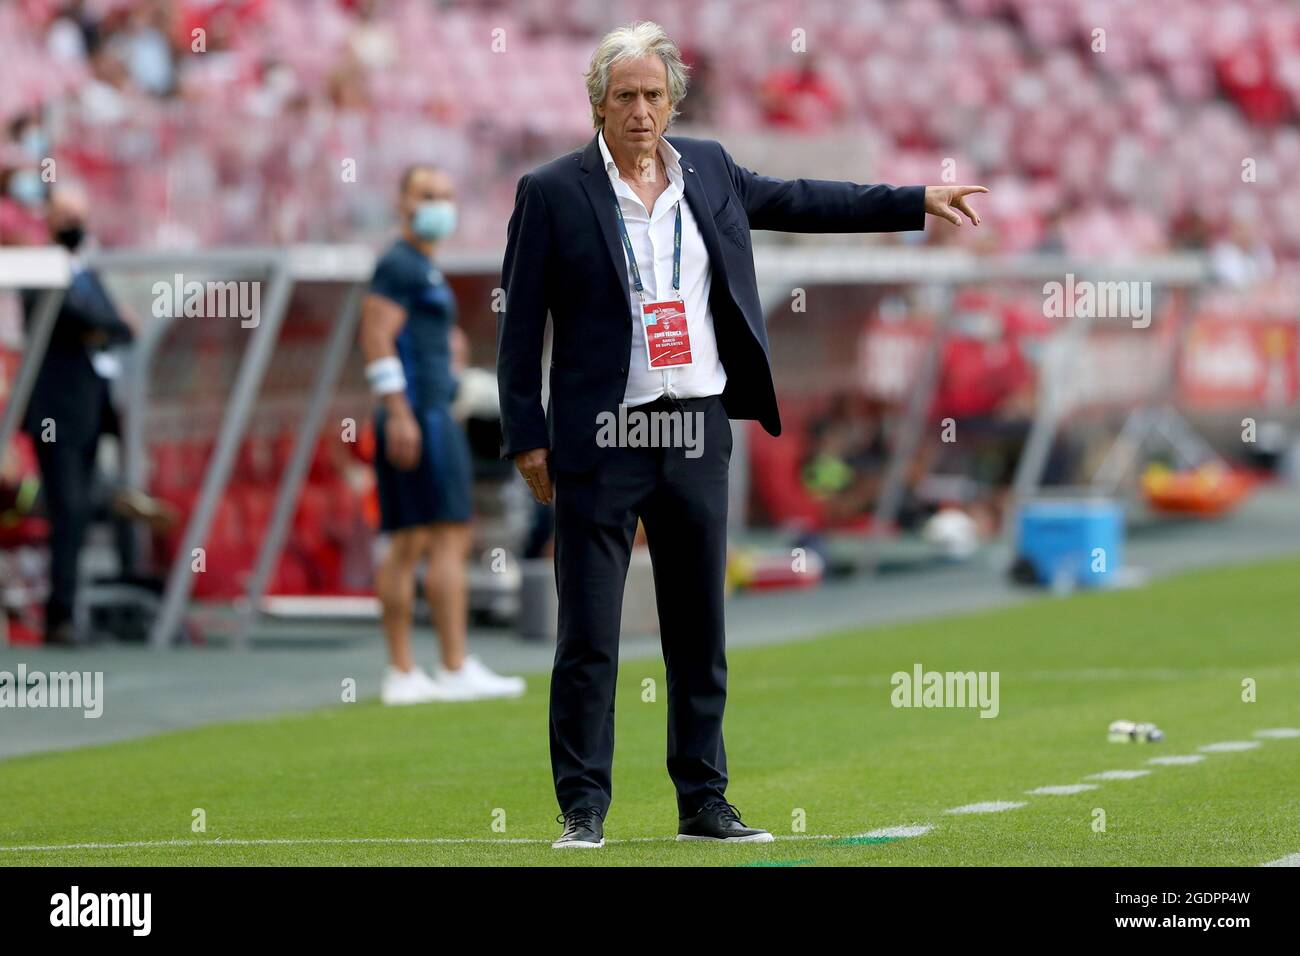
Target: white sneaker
474,681
410,687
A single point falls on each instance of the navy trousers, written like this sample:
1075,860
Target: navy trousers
682,501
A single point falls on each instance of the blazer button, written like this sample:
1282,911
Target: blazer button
622,370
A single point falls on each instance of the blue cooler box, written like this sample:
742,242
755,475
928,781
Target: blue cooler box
1060,539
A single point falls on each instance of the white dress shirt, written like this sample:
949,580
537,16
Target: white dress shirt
651,235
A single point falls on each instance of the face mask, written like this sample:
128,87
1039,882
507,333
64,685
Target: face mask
25,186
434,220
35,144
69,237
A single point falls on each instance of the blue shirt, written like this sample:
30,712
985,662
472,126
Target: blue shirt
406,277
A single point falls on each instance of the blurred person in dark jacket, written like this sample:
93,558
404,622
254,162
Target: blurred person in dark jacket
70,408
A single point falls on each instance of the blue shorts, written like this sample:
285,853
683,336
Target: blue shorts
439,488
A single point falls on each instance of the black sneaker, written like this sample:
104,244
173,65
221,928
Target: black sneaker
719,820
583,830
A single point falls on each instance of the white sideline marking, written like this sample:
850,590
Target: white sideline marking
989,806
1123,674
349,841
1119,775
912,831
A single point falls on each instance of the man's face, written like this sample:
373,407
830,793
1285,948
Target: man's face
424,186
636,106
67,209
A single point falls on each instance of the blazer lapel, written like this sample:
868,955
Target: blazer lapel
698,199
596,183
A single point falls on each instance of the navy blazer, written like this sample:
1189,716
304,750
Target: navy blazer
68,390
564,256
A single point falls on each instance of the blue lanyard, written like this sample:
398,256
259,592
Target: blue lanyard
631,256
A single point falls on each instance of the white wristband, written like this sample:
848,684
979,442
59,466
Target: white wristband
385,376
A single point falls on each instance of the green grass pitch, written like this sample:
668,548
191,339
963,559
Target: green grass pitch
810,732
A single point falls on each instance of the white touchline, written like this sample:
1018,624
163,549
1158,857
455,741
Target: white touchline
1292,860
1119,775
1278,733
1229,746
909,831
1062,790
352,841
990,806
1177,760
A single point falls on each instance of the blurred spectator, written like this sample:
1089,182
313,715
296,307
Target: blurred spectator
22,188
1240,258
28,133
373,41
71,33
145,49
848,458
105,98
699,105
348,87
1052,240
1247,75
799,97
277,91
982,362
22,199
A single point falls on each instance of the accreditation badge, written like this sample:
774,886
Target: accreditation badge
667,339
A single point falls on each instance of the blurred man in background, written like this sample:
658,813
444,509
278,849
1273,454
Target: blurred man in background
70,408
422,459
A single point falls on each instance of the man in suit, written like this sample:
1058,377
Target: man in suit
70,408
638,248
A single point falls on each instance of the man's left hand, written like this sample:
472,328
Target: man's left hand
947,202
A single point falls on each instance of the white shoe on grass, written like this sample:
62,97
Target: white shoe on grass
475,681
409,687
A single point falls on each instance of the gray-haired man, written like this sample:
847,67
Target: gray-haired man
638,247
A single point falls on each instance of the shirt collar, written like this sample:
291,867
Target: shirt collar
672,158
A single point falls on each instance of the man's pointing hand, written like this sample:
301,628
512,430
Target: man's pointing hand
947,201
